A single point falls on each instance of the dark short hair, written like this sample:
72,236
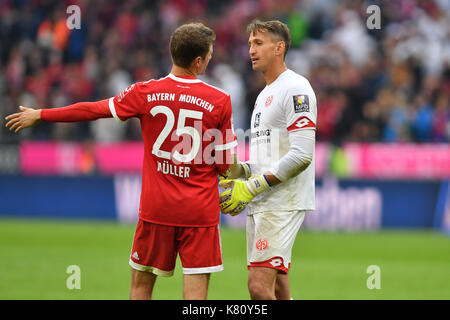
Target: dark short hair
276,28
190,41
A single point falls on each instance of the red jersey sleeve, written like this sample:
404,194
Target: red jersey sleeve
82,111
227,140
226,128
129,103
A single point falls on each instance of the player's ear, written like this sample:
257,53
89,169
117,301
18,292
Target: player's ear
280,47
197,61
195,64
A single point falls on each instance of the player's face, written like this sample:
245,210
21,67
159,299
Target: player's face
204,62
262,50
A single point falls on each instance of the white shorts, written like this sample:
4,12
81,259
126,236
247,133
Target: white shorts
270,238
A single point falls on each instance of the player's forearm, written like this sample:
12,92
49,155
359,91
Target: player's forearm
271,179
289,169
82,111
297,159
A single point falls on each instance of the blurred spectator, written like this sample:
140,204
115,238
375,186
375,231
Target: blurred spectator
441,120
398,120
422,123
230,81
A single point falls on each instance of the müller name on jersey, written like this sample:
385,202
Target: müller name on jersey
164,96
168,168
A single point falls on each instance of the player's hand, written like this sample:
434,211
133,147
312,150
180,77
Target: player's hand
239,193
27,117
224,175
236,170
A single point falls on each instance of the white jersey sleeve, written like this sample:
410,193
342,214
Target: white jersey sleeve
300,107
298,158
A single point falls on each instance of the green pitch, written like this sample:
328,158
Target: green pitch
34,257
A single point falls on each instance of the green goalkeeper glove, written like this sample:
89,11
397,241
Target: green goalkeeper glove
239,193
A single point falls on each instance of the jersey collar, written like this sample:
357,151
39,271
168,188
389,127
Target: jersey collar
185,79
280,76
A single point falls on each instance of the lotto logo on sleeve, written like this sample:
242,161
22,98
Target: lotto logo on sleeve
301,103
302,123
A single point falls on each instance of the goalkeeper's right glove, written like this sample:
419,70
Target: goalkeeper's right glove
234,200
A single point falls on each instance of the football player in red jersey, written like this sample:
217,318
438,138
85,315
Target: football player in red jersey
188,136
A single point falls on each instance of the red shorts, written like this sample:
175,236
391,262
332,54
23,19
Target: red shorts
155,249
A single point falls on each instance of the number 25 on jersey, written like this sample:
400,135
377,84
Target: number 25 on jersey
181,129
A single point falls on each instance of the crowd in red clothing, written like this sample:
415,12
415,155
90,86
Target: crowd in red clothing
390,84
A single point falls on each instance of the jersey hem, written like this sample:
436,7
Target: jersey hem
178,225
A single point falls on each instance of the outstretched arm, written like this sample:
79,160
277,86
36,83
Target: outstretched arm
82,111
27,117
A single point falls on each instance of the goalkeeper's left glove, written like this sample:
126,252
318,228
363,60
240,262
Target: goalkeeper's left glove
239,193
237,170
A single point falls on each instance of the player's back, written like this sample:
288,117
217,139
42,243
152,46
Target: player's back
184,121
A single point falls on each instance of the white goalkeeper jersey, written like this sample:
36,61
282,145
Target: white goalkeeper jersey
286,105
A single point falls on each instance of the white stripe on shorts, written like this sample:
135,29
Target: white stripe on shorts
203,270
153,270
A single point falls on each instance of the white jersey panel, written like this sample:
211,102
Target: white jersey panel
288,104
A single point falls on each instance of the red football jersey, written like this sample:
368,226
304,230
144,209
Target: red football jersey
184,123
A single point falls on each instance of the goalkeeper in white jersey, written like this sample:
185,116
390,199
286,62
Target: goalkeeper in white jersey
279,183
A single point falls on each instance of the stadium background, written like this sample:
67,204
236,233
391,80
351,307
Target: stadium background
70,192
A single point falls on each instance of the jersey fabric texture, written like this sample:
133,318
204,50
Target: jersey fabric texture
286,105
184,122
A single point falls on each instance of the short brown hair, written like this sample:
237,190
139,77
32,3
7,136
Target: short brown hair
274,27
190,41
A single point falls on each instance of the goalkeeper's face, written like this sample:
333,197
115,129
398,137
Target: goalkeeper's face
262,50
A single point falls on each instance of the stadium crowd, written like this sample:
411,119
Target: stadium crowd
390,84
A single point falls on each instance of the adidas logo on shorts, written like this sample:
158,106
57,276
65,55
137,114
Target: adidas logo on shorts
135,255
